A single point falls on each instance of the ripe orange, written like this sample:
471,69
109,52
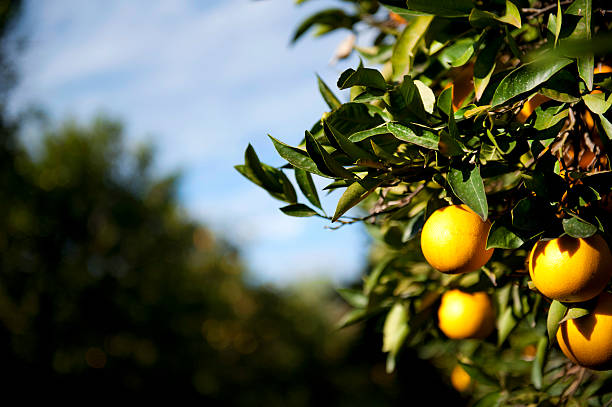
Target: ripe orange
529,106
460,380
463,315
570,269
396,18
454,240
602,68
587,341
462,86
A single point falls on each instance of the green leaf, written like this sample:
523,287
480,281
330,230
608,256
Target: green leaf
296,157
307,186
362,77
354,117
331,18
386,156
403,50
607,126
502,236
414,135
406,102
548,116
289,194
372,278
354,194
576,227
597,103
481,19
298,210
562,87
468,186
490,400
577,311
460,52
324,161
329,97
505,324
266,181
478,375
527,77
582,31
555,316
427,96
445,101
537,367
352,317
441,8
342,143
558,22
395,329
485,64
355,298
365,134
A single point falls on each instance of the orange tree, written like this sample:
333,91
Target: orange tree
477,140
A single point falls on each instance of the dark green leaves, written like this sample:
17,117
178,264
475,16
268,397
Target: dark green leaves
296,157
298,210
329,97
582,9
527,77
323,160
442,8
328,19
468,186
481,19
354,194
485,64
307,186
367,77
269,178
576,227
340,142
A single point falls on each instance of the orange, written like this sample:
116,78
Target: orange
587,341
602,68
571,269
460,380
463,315
396,18
462,86
529,106
454,240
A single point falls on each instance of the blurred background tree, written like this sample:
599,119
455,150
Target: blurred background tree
107,287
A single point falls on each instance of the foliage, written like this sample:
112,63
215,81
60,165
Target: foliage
500,105
105,284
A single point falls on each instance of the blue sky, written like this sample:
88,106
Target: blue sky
199,80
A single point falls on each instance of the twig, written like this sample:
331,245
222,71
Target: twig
537,11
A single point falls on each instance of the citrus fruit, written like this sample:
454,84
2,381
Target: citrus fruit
529,106
463,315
587,341
460,379
571,269
462,86
454,240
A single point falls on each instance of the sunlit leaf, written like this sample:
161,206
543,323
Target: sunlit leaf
527,77
468,186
